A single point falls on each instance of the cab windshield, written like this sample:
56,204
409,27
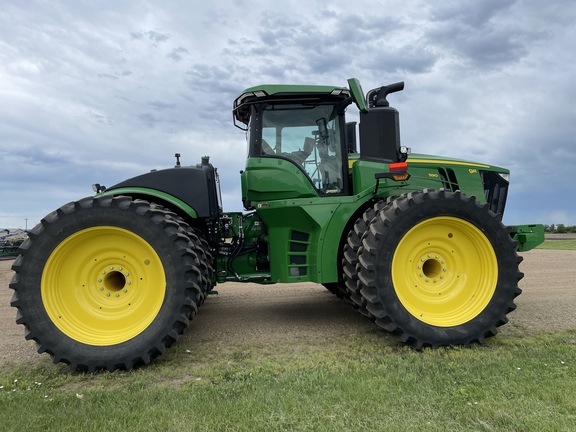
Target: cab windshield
309,136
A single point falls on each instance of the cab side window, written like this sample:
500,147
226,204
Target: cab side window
310,138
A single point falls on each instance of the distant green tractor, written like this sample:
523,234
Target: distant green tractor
412,241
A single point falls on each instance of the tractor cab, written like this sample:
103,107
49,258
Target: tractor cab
299,142
297,146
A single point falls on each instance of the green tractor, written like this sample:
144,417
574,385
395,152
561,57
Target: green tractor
414,242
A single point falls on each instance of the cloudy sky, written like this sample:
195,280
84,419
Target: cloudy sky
99,91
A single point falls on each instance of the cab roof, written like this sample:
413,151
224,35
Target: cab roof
285,93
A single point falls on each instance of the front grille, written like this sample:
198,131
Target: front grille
495,191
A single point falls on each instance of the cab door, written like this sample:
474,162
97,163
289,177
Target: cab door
295,151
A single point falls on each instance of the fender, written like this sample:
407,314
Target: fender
193,189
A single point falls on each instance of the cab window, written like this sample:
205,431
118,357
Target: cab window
309,136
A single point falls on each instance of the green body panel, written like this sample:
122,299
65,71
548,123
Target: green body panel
298,233
527,236
427,169
267,179
305,236
363,181
156,196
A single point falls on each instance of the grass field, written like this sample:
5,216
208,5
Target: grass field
519,383
558,245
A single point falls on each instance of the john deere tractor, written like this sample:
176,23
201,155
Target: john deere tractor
414,242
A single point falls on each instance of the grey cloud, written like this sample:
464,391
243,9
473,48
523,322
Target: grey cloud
470,13
105,75
358,29
344,41
176,53
406,59
486,48
482,33
212,78
149,119
151,34
99,118
158,105
157,37
114,76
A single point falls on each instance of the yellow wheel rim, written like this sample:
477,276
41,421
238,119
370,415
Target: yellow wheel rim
444,271
103,285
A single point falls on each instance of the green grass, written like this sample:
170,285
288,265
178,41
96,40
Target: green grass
558,245
515,382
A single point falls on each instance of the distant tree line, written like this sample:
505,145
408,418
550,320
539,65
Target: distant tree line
560,228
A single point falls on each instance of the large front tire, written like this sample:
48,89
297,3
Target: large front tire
438,268
106,283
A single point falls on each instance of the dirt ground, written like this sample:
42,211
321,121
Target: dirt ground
242,313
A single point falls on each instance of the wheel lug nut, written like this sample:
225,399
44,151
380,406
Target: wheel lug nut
111,267
436,257
99,280
125,290
107,294
103,271
101,288
120,268
117,295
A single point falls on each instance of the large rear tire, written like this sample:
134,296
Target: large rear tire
438,268
106,283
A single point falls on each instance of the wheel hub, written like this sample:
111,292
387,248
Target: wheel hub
432,268
114,281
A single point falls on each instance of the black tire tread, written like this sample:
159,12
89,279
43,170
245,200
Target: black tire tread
350,259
